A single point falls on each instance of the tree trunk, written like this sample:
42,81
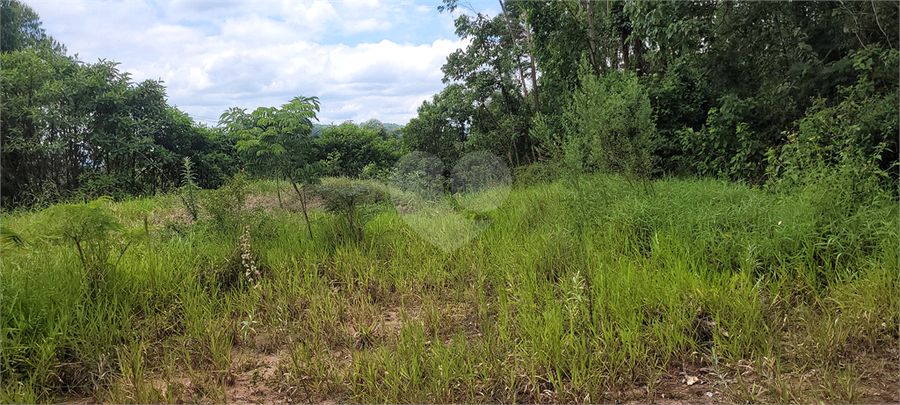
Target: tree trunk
303,205
515,46
592,37
534,88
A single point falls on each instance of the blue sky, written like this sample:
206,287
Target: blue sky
364,59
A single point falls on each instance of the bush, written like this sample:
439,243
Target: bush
537,173
852,146
479,171
615,125
225,205
94,233
348,198
422,174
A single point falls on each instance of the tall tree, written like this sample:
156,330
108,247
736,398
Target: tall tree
490,72
20,28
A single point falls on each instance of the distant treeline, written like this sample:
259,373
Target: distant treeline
767,93
74,130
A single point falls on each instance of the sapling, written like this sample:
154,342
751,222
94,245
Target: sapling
92,231
189,190
308,175
346,198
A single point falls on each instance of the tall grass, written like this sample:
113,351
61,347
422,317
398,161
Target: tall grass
576,290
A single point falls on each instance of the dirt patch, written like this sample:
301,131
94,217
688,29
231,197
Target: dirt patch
253,376
174,216
692,384
392,322
873,378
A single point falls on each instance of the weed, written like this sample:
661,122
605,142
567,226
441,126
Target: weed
577,290
189,190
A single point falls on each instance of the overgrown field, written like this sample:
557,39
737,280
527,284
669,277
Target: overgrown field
580,290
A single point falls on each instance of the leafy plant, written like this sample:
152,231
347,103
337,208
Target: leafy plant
189,190
851,145
274,141
347,198
225,205
615,124
92,230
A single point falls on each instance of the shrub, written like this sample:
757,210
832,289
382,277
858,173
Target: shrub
478,171
92,230
615,125
189,190
347,198
420,173
225,205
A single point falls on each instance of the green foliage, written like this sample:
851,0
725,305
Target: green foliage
371,171
21,29
348,149
725,146
850,147
332,163
477,172
79,130
679,102
615,125
350,199
579,288
718,103
74,129
441,126
548,136
422,174
95,234
189,190
273,141
705,271
537,173
225,205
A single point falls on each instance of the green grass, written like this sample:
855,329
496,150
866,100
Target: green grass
575,291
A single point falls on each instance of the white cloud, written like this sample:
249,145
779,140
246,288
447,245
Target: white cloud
315,17
369,24
362,59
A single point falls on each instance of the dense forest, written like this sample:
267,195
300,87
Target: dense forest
756,92
608,202
753,92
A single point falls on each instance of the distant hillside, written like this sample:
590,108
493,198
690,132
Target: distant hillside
390,127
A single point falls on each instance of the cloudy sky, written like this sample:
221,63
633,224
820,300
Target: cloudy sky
363,58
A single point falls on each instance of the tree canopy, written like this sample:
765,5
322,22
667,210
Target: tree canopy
731,86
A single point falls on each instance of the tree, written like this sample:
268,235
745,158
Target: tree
274,142
726,80
357,147
20,28
69,128
492,88
441,126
